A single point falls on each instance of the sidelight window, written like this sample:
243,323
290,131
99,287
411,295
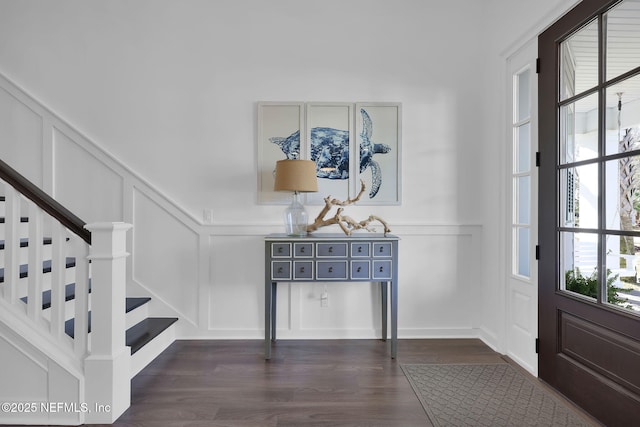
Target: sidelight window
521,174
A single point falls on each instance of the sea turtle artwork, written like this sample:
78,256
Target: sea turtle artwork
367,150
330,151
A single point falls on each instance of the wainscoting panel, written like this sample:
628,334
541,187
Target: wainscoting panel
353,310
165,260
21,136
439,281
438,291
83,184
236,286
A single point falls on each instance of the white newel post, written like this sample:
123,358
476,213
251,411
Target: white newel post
107,368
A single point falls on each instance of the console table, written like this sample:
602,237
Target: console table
331,258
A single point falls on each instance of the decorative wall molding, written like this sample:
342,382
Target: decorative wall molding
208,282
414,229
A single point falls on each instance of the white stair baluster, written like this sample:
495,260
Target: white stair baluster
58,283
81,338
34,292
11,245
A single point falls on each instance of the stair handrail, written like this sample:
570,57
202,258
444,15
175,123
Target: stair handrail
44,201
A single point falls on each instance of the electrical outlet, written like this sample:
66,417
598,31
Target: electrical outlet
324,300
207,216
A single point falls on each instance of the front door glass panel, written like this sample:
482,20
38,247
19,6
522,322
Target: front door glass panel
598,172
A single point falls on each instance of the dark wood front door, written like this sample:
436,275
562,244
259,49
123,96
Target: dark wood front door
589,209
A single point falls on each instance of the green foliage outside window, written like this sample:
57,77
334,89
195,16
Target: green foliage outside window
588,285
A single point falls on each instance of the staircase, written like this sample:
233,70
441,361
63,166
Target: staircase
63,310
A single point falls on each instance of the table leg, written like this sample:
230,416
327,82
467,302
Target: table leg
274,299
384,299
267,319
394,319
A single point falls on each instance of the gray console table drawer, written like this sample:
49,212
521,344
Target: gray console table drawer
302,270
360,250
360,270
382,249
281,270
382,269
331,270
303,250
281,250
332,250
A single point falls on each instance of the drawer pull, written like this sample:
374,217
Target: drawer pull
359,269
381,249
279,249
301,269
279,269
330,249
330,269
359,249
381,270
302,250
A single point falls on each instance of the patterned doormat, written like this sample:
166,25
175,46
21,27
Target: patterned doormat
486,395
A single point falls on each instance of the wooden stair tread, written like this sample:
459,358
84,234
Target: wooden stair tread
143,332
130,305
138,335
70,293
134,302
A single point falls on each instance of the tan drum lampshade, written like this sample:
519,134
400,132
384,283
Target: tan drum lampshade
296,175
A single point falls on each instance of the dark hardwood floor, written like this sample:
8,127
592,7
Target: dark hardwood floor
306,383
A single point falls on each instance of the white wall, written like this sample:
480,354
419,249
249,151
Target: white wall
170,87
170,90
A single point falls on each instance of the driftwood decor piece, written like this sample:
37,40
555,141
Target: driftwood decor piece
346,223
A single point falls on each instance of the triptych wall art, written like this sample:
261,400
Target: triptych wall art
348,141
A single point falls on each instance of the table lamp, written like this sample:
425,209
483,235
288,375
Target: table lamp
298,176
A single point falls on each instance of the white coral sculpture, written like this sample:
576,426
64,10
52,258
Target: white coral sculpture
346,223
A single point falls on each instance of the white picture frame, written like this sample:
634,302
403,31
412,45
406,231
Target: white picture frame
371,139
276,121
330,143
379,135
